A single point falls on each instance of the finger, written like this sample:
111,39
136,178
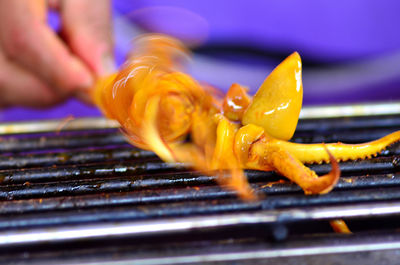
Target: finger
87,28
85,97
53,4
19,87
28,41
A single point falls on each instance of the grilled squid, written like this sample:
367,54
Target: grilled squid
163,109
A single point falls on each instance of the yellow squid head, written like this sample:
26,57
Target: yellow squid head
276,105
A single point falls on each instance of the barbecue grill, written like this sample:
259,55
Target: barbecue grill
83,195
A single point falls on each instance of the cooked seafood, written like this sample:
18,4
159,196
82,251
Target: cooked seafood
165,110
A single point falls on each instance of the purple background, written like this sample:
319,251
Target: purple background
351,49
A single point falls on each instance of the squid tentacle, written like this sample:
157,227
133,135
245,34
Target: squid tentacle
315,153
264,154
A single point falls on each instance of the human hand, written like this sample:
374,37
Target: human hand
39,68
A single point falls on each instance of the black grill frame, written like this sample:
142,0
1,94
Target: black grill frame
84,188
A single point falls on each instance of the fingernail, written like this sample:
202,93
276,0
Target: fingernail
108,64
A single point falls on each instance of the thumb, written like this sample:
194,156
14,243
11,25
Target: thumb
88,31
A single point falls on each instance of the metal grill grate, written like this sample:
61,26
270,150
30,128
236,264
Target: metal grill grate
85,195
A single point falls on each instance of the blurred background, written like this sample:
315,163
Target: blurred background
350,49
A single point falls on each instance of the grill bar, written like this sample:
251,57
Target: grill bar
64,141
54,125
193,224
143,172
344,193
112,139
176,180
77,157
87,188
319,112
170,206
96,157
353,129
361,250
52,174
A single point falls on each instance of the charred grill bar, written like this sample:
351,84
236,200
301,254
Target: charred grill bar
84,195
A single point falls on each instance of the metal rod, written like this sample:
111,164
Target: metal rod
191,224
253,256
321,112
151,164
153,205
53,125
306,113
73,157
60,142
